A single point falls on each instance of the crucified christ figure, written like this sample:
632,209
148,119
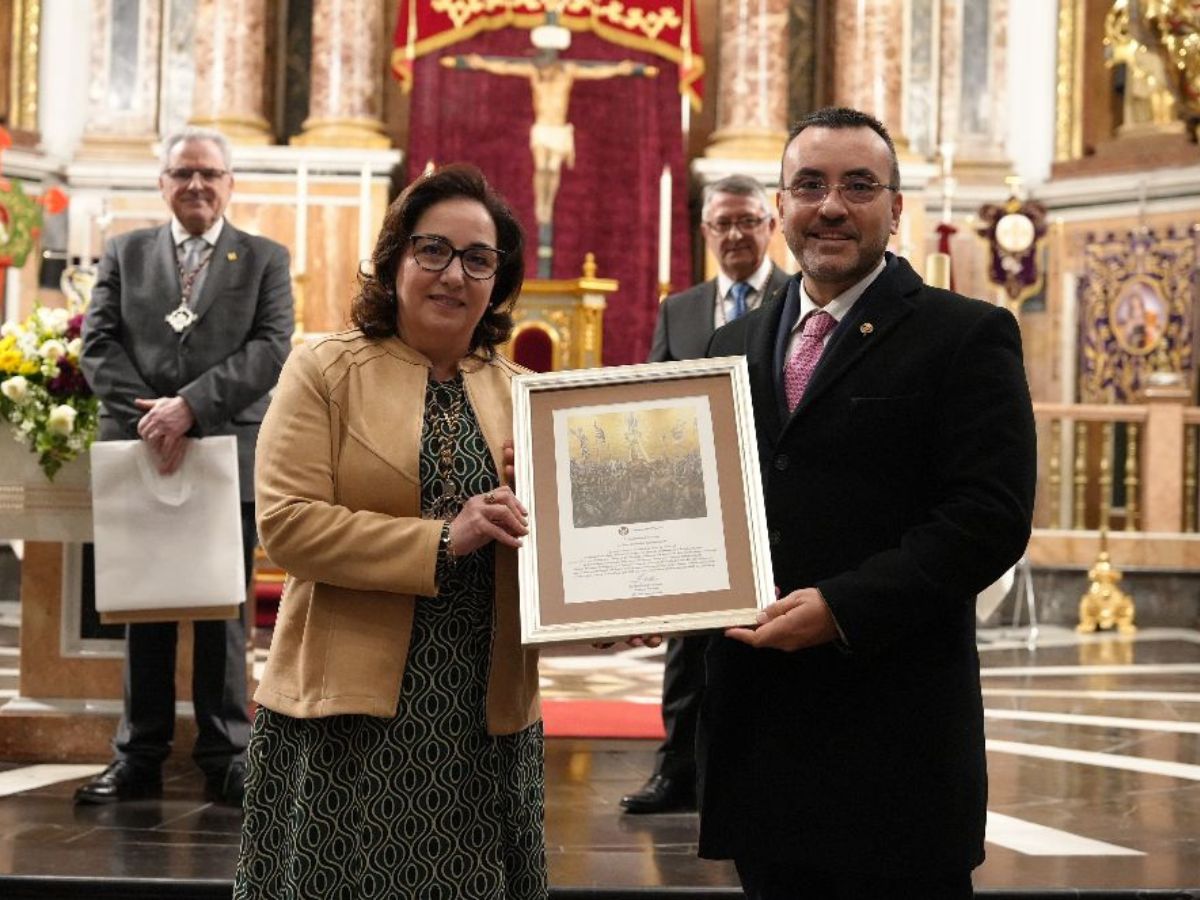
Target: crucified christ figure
552,137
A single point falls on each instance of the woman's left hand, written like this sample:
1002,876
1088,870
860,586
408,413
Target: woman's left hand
495,516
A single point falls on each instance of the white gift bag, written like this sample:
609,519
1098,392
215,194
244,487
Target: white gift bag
992,596
167,547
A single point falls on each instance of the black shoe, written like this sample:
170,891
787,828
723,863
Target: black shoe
227,786
122,780
661,794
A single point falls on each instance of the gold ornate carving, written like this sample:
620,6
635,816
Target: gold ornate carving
1105,605
249,130
1132,482
1055,473
23,66
1068,132
1079,483
1106,480
649,23
342,132
1167,33
1135,305
1190,433
1148,102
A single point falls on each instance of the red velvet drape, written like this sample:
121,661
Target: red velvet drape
626,129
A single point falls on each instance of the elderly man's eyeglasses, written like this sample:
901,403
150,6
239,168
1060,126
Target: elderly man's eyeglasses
208,176
813,191
434,253
743,224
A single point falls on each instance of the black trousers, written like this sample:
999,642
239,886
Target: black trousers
683,689
218,685
773,881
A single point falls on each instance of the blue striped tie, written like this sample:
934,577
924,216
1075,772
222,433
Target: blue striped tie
739,292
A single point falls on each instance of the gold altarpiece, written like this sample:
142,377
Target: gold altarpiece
559,323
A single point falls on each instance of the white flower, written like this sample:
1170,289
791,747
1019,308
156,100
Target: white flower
61,419
15,388
59,318
9,328
52,350
75,347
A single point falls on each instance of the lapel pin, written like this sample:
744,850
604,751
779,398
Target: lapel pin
866,328
231,256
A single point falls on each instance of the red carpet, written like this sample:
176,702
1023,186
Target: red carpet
602,719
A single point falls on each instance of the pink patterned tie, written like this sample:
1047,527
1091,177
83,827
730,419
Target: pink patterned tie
800,365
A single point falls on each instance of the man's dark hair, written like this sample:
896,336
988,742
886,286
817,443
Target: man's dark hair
374,310
837,117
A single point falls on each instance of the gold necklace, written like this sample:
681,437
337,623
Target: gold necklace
447,504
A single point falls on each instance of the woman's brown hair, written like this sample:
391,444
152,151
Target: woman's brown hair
374,310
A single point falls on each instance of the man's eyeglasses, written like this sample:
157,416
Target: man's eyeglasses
434,253
743,224
813,191
208,176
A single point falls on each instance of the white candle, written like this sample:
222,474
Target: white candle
301,263
664,226
947,150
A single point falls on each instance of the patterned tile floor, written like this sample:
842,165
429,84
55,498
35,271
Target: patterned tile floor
1093,748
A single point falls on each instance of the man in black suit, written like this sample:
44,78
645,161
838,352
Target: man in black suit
185,335
737,222
841,740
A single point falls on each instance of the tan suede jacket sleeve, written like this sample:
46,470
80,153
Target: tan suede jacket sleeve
298,482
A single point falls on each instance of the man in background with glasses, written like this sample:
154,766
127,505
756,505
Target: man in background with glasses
841,744
737,221
186,333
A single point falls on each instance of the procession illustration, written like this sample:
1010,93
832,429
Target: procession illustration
635,466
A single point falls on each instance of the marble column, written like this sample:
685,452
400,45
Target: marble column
230,44
868,69
752,80
124,78
974,83
346,89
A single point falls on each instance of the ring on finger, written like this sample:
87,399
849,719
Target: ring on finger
489,497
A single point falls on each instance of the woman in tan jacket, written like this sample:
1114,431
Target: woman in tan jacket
397,751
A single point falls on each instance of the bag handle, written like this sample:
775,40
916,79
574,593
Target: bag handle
171,490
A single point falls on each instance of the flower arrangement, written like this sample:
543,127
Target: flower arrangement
42,391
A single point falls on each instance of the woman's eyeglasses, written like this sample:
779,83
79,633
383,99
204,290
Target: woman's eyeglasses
434,253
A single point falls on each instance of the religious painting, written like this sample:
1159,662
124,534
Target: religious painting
1138,316
645,501
1136,299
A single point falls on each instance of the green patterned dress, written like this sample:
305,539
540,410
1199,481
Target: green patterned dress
424,805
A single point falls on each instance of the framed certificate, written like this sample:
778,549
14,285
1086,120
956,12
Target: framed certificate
644,498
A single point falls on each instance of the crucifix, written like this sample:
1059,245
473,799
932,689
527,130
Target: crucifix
552,137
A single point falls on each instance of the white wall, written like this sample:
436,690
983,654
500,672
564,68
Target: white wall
1032,81
64,63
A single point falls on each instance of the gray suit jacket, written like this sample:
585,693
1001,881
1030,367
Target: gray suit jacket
224,365
685,320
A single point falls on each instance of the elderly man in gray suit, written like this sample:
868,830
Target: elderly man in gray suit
737,221
186,333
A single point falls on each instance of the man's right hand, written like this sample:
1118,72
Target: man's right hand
169,453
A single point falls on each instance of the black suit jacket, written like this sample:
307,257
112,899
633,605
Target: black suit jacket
685,320
902,485
224,365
